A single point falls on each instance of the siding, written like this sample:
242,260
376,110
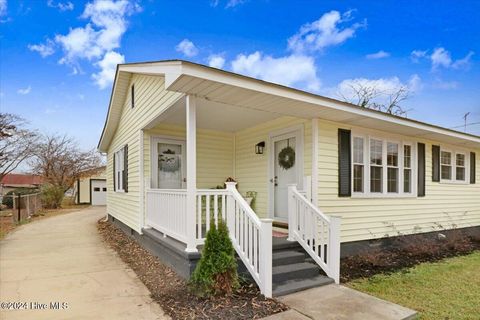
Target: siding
251,170
214,154
362,219
150,100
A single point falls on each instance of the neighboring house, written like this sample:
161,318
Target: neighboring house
334,172
92,189
13,181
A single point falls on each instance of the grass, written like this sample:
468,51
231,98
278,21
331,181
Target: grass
449,289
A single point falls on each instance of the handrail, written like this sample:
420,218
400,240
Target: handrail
316,232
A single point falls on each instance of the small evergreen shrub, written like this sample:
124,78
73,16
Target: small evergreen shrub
216,272
52,196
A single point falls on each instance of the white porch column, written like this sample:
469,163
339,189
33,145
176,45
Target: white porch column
191,124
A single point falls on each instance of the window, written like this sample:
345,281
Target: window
460,167
104,189
96,189
392,167
376,168
358,164
446,165
119,169
383,167
407,168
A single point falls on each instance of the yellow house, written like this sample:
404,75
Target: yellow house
336,174
92,189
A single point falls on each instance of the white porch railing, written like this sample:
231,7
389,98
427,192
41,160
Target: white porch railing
316,232
251,236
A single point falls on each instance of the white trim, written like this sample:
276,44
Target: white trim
141,179
297,131
191,205
154,140
118,187
315,157
453,164
367,136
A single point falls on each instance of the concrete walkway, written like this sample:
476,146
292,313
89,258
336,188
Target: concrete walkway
340,303
63,259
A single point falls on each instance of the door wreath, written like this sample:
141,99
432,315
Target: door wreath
169,161
286,158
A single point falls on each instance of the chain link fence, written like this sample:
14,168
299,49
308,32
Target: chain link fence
25,205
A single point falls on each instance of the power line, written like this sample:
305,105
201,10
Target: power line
465,125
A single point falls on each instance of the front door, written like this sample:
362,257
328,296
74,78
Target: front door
286,164
168,164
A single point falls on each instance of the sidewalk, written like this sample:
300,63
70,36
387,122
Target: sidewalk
340,303
63,259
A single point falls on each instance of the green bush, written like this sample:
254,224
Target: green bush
216,272
8,200
52,196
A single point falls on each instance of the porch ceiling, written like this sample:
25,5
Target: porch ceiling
216,116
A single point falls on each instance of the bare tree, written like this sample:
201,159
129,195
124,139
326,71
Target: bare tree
372,97
17,143
59,160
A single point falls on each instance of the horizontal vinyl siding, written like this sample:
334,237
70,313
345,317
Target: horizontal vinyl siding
251,171
445,204
214,153
150,100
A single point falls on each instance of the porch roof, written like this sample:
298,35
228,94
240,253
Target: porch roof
229,88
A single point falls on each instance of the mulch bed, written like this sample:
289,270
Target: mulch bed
404,253
172,293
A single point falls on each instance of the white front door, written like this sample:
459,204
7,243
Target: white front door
168,164
98,192
287,162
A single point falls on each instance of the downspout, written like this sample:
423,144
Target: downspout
141,169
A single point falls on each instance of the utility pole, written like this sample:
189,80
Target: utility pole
465,118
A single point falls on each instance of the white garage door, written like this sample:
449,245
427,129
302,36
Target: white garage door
99,192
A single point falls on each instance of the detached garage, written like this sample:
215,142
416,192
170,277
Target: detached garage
92,190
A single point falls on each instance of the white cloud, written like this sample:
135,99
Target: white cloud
416,55
442,58
24,91
108,66
187,48
378,55
383,87
96,40
44,49
3,8
293,70
62,6
445,85
229,4
216,61
324,32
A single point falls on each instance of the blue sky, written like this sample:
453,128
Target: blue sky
58,57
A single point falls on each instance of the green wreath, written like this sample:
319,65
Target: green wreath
286,158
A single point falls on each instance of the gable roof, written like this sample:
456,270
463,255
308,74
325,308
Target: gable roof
15,179
235,89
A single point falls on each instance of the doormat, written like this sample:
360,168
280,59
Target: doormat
278,234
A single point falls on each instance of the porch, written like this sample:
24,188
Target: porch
195,145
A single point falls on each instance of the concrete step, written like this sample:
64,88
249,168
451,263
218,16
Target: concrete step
291,286
283,244
302,270
287,257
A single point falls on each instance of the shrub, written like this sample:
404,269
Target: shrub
7,199
216,272
52,196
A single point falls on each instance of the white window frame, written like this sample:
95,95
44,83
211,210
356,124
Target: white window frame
363,164
367,137
411,167
119,169
453,164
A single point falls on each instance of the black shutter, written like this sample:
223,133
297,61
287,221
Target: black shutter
125,168
114,173
436,163
421,169
133,96
472,167
344,163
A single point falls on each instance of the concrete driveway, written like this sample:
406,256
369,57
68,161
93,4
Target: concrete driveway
59,268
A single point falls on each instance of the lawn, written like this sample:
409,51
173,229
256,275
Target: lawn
449,289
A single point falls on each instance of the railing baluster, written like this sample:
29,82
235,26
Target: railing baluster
215,209
199,216
207,212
